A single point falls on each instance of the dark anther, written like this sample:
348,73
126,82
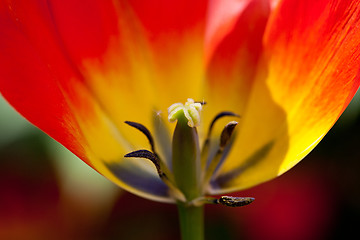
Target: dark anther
145,131
217,117
224,140
148,155
227,133
201,102
161,168
234,201
156,161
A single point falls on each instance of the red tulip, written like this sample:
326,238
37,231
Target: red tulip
78,70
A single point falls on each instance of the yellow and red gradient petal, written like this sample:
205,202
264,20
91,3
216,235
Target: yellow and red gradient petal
153,56
175,32
41,82
234,45
308,75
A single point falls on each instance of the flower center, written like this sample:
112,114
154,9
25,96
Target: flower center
191,110
192,168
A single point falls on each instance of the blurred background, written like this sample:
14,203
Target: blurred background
47,193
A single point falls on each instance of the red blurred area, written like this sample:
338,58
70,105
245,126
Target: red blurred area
295,206
29,195
32,204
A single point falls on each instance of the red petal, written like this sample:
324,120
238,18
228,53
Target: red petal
234,50
33,89
309,73
41,80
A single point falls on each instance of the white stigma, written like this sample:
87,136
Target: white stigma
191,110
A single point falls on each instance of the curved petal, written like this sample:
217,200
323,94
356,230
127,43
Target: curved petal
233,51
42,83
308,75
153,56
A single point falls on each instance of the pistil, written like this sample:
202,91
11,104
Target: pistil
185,148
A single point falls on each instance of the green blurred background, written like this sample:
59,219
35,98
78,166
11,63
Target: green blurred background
47,193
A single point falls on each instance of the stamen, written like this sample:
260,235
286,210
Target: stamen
148,155
148,135
145,131
205,148
224,200
155,160
234,201
224,140
163,171
201,102
217,117
227,133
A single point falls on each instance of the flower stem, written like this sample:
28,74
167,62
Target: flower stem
187,174
191,222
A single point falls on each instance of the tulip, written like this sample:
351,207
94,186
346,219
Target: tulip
103,78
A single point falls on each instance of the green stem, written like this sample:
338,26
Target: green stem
187,169
191,222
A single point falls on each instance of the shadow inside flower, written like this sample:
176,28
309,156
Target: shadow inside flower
261,143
